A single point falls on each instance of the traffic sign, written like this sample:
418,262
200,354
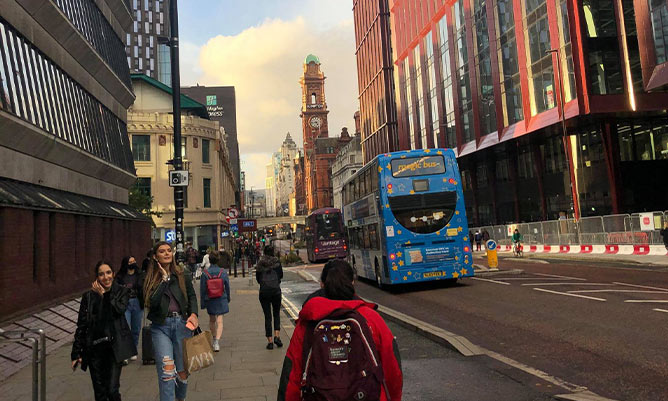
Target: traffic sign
178,178
233,221
234,227
170,236
492,257
491,245
233,213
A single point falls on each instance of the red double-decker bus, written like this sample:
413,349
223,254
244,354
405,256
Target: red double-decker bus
325,237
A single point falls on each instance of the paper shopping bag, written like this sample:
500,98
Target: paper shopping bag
197,351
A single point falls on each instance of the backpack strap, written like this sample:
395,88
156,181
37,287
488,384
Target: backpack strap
220,275
206,272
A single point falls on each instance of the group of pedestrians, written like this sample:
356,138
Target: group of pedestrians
111,312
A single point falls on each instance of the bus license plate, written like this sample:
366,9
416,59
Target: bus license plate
433,274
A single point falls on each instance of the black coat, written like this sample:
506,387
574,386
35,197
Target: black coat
139,287
265,264
159,301
122,343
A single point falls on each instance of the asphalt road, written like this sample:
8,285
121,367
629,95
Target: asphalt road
434,372
594,325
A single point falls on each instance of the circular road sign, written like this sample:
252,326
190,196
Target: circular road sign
233,213
491,245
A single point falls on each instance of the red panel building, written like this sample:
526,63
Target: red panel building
378,113
541,100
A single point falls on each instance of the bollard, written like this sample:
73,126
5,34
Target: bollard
235,268
243,269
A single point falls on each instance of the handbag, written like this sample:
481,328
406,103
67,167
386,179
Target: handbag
147,353
197,351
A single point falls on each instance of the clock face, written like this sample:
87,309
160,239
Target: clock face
316,122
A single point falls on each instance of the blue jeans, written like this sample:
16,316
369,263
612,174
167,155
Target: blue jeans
168,347
134,314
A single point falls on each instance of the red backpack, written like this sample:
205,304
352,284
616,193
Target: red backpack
341,360
215,287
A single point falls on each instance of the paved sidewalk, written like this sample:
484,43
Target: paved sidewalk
244,369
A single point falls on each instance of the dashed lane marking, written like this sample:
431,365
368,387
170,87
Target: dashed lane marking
532,278
570,295
660,310
491,281
585,284
647,301
624,291
641,286
558,276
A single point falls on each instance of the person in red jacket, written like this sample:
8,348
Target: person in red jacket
339,293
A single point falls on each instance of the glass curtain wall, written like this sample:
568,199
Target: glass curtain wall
658,10
446,75
464,84
433,90
605,66
421,104
509,70
409,103
632,44
566,52
483,67
539,62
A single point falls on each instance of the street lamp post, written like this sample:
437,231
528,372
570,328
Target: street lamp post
571,174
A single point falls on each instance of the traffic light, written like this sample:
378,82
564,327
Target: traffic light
263,239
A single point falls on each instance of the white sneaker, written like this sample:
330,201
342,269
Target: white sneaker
216,346
133,358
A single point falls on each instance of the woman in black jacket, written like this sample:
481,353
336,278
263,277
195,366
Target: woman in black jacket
269,273
103,340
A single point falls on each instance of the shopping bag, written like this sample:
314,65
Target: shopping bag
197,351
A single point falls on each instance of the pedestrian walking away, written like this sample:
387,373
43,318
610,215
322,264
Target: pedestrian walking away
131,278
102,340
214,289
269,273
664,234
206,262
478,240
172,309
336,338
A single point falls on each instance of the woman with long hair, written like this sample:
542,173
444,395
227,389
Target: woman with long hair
340,304
269,273
130,277
172,309
216,307
102,340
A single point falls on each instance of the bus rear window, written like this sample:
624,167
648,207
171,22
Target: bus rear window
414,166
424,213
328,226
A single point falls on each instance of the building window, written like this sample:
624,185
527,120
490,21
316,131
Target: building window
205,152
184,147
484,68
207,192
313,98
463,81
539,62
509,71
433,89
605,72
419,89
658,10
446,75
141,148
144,185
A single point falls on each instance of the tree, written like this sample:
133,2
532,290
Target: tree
140,200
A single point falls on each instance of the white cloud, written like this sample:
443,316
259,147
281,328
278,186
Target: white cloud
264,63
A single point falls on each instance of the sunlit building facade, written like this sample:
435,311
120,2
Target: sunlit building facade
494,79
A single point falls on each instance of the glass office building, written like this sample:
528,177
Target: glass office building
534,95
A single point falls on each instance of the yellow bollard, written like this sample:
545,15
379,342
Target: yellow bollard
492,257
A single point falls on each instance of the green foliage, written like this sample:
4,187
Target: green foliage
290,258
139,200
300,244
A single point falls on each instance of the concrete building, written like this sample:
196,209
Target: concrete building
477,77
221,104
256,203
299,207
271,183
145,55
65,159
348,160
286,176
211,189
375,77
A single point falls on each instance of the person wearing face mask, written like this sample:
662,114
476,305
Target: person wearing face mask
103,340
130,277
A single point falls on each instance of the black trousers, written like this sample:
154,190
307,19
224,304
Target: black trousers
271,303
105,373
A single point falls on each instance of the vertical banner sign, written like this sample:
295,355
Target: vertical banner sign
646,221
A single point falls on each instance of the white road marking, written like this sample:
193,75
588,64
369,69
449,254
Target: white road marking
566,283
558,276
647,301
570,295
491,281
660,310
531,278
625,291
641,286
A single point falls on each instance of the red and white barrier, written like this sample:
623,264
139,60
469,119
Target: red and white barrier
654,250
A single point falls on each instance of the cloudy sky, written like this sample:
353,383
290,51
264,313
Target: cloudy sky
259,47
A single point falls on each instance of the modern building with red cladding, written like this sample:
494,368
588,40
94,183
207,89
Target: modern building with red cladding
493,79
375,77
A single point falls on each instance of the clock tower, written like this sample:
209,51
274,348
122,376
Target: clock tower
314,126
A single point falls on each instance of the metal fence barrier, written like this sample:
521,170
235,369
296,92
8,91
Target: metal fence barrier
619,229
38,363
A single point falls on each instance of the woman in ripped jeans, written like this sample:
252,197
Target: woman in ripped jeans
172,304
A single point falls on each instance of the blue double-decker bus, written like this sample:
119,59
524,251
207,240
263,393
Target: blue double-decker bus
406,220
